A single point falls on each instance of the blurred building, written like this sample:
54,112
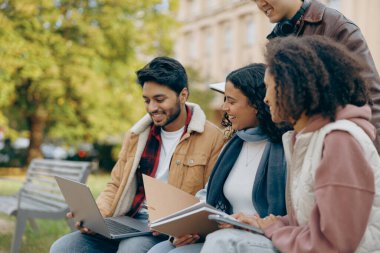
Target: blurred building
218,36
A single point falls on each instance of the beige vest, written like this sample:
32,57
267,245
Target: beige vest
308,151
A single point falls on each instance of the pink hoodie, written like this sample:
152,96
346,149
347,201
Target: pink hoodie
344,192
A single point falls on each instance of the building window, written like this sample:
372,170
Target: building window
191,50
193,7
209,44
211,4
250,32
227,38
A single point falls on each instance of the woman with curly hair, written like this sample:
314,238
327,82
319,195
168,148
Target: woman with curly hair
333,181
249,176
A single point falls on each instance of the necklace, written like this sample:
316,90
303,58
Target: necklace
249,160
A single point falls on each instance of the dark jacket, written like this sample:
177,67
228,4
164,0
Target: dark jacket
322,20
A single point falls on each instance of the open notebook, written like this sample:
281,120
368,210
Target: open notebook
175,212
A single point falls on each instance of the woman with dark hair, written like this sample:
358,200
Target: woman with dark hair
248,178
333,183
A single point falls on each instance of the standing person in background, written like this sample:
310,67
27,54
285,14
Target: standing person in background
173,142
310,17
333,182
249,176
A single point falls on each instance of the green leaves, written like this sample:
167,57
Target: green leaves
77,61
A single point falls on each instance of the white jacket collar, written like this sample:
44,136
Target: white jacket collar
197,122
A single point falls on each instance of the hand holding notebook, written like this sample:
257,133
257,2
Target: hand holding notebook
175,212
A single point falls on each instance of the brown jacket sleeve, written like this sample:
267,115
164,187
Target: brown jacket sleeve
344,191
350,35
218,144
107,196
321,20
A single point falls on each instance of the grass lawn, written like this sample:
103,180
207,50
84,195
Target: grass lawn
49,230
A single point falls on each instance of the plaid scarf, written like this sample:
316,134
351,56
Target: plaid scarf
149,162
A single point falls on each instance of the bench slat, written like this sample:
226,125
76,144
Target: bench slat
35,204
43,189
40,196
45,199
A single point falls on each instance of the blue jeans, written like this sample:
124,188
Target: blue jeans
168,247
77,242
237,241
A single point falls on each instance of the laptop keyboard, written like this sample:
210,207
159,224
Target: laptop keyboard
118,228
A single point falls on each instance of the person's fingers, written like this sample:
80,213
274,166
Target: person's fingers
261,221
155,233
70,215
79,225
85,230
185,240
242,217
181,239
267,221
250,220
195,239
272,217
237,215
225,225
82,229
245,219
255,223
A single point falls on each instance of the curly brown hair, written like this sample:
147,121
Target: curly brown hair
314,75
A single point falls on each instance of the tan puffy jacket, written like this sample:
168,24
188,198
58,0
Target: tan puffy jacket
190,167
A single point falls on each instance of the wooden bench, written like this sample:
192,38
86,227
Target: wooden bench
40,197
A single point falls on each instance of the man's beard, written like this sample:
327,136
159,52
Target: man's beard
173,116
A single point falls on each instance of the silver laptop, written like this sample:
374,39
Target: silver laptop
81,202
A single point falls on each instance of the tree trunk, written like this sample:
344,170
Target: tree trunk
37,126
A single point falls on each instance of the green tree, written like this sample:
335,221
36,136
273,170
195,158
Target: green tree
67,66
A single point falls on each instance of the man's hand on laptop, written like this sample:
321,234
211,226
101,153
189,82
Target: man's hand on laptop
79,224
